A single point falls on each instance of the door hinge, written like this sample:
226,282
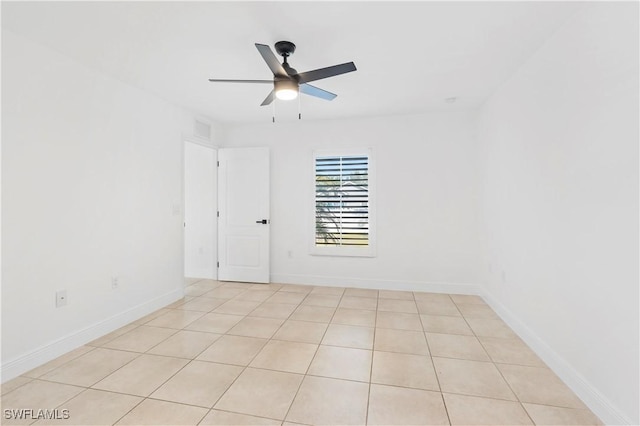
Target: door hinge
217,264
218,163
218,213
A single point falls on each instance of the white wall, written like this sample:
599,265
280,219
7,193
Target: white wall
560,167
91,188
427,229
200,201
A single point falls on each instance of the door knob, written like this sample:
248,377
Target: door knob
263,221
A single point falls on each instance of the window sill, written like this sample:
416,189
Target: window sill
343,251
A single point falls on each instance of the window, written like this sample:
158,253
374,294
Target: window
343,204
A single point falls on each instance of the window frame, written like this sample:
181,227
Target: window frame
345,251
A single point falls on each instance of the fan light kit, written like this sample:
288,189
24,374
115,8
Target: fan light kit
287,82
286,90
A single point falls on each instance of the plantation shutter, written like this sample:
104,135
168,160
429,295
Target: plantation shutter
342,201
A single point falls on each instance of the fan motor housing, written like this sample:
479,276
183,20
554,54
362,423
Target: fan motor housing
285,48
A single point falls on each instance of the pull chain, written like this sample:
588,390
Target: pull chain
273,111
299,114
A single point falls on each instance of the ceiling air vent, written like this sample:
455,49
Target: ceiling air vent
202,130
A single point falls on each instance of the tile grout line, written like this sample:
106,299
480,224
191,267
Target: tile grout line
327,377
499,372
251,360
313,358
435,373
242,414
304,375
162,384
373,348
190,361
514,393
55,368
144,398
115,337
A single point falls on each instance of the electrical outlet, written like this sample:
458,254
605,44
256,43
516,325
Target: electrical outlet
61,298
115,283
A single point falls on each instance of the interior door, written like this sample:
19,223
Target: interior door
200,186
243,222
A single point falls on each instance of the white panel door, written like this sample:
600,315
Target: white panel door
243,204
200,186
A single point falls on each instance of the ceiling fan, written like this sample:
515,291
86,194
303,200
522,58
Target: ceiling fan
287,82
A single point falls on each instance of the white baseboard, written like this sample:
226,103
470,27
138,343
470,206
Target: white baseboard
203,274
597,403
329,281
50,351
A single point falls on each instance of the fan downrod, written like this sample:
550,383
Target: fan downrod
285,48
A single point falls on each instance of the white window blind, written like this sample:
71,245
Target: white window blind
342,201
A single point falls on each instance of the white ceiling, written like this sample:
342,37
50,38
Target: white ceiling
410,56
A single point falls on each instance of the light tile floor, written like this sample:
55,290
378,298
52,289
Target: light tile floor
256,354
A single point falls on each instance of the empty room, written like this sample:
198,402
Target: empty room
320,213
